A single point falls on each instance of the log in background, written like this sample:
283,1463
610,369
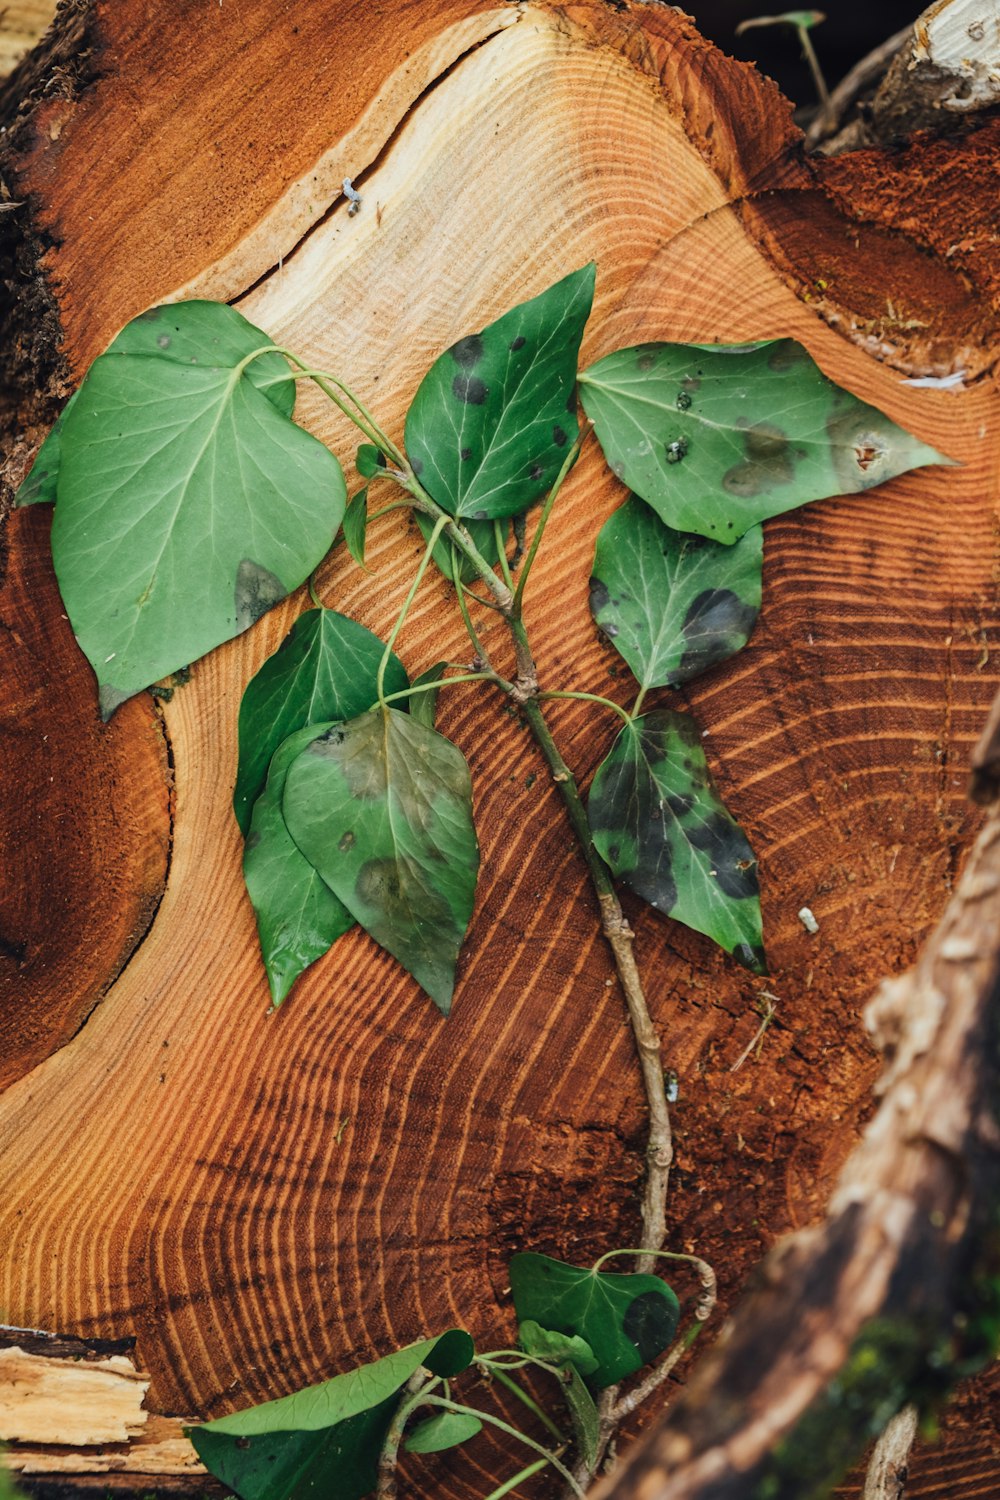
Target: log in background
263,1200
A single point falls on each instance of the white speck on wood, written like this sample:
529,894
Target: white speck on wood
808,921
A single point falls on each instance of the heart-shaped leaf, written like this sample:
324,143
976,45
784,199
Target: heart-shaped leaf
181,482
489,426
557,1348
445,1430
672,602
718,437
659,822
325,1440
191,333
298,916
326,668
208,333
381,806
626,1320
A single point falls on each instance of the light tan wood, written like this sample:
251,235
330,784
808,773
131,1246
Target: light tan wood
264,1200
75,1403
22,23
160,1450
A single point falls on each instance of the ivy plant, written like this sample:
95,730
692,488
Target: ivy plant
188,502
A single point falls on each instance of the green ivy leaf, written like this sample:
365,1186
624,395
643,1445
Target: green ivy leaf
326,668
381,806
626,1320
356,525
557,1348
673,603
583,1412
659,822
39,484
369,461
483,534
491,421
181,482
446,1430
208,333
718,437
298,916
423,706
190,333
327,1439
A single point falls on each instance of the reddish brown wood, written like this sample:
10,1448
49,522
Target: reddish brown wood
262,1200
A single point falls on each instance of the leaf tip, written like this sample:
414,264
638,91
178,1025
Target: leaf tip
751,956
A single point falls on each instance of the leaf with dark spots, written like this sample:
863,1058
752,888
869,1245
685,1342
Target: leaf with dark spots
484,538
257,590
673,603
324,1440
660,824
409,877
718,437
468,351
490,420
649,1322
470,389
326,668
298,916
597,1307
172,475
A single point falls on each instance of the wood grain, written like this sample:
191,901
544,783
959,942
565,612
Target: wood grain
22,23
264,1199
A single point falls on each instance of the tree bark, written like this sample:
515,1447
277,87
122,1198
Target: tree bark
263,1200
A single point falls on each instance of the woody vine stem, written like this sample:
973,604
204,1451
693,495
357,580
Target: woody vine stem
525,692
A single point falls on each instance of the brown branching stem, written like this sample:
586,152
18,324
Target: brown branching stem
389,1457
524,691
659,1145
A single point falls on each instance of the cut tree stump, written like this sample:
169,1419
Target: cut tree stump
263,1200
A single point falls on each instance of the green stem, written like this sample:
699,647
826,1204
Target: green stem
637,705
529,1401
590,698
709,1286
460,592
413,1395
375,515
386,654
518,1478
456,534
442,682
330,385
550,500
514,1432
501,541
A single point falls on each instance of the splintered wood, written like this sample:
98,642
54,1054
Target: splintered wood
71,1402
